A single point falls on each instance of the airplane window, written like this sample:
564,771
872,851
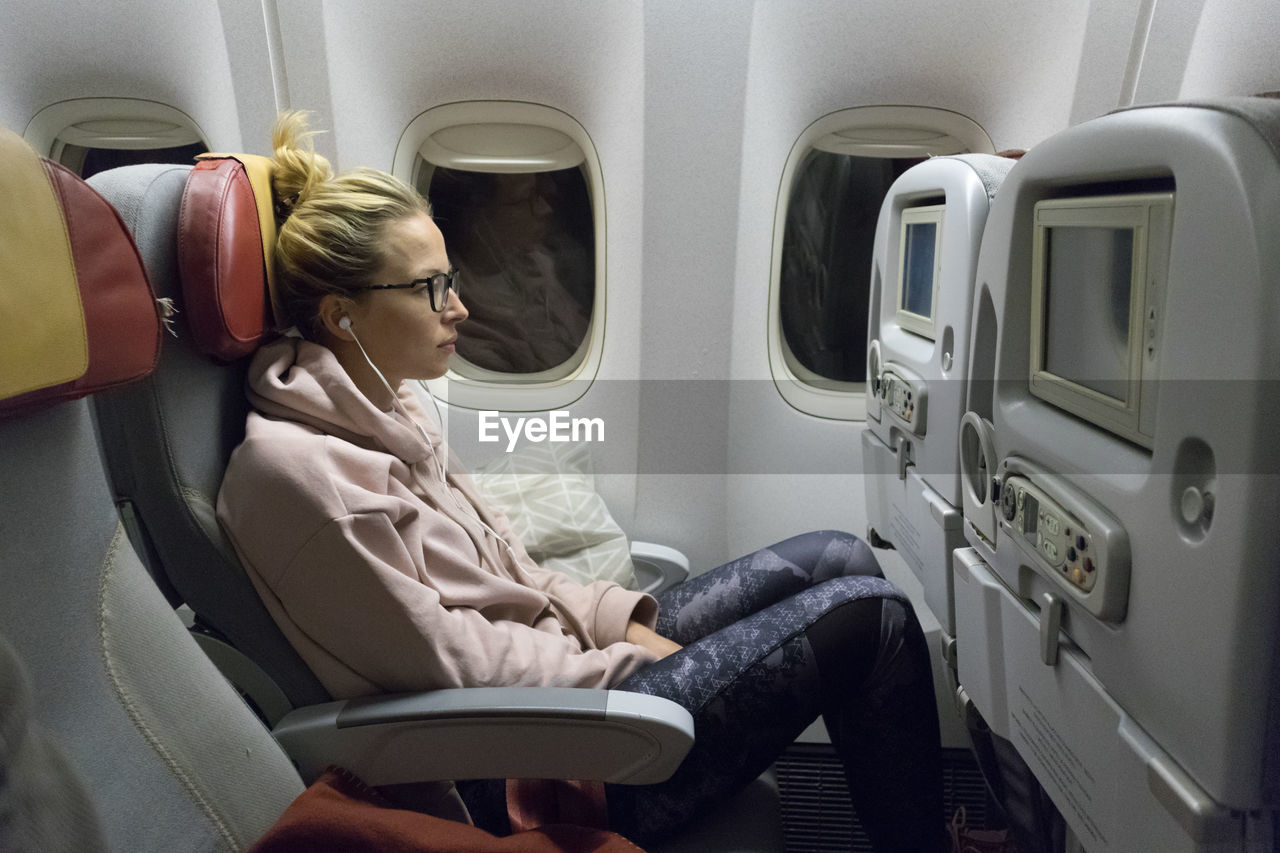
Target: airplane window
88,161
826,258
821,268
524,244
518,191
91,135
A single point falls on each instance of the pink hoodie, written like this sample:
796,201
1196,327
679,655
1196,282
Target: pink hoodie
379,574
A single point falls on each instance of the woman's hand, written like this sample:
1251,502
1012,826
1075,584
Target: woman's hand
651,640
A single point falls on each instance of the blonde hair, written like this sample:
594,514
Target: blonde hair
331,238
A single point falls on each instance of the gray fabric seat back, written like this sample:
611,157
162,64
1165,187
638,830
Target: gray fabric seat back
171,757
167,440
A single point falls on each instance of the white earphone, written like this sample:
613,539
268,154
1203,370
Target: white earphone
441,463
345,325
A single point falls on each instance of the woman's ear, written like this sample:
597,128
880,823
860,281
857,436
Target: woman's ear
333,309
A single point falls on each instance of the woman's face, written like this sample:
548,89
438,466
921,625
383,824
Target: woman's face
398,329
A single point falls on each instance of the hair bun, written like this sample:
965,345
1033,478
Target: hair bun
298,168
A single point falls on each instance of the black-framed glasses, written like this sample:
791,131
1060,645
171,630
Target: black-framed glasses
436,287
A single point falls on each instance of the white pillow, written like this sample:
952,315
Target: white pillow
549,493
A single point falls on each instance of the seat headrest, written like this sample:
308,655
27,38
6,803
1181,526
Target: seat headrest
80,313
1261,111
226,236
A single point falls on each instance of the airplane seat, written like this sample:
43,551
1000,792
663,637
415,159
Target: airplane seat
168,438
200,230
924,259
1117,608
167,757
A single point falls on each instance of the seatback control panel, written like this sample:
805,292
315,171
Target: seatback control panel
1067,537
905,395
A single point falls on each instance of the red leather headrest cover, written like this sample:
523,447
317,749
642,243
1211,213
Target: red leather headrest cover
221,261
121,322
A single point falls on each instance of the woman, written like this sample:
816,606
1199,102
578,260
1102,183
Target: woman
388,573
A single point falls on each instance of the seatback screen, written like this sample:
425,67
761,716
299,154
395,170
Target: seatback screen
1088,289
917,276
919,267
1098,271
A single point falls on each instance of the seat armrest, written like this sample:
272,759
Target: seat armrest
492,733
658,567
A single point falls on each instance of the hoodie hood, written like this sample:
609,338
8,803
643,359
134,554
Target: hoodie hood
321,395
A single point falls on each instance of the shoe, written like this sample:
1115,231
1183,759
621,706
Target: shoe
966,840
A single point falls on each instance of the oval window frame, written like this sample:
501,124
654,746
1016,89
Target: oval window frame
121,123
477,388
871,131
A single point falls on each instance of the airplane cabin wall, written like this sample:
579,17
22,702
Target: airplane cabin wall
208,59
1232,50
695,76
693,109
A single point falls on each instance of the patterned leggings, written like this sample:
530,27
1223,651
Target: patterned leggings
801,628
772,640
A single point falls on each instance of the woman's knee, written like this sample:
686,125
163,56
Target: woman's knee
858,638
846,640
827,554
